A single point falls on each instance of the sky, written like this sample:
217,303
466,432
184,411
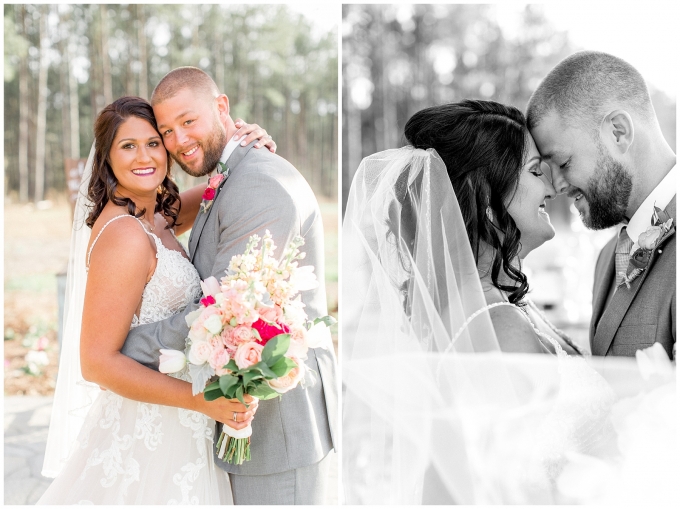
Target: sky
645,34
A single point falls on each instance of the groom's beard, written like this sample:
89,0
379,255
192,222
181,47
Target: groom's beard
212,147
608,194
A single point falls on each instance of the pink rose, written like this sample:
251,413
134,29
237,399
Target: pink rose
270,314
241,334
218,359
298,344
248,354
209,193
290,381
199,353
216,343
268,331
215,180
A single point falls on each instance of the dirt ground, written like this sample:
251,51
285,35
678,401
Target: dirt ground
36,250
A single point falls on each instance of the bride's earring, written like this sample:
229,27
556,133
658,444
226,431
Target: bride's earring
489,214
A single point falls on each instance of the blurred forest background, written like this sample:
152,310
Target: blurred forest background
398,59
64,63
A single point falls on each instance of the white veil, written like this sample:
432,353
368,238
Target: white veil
73,395
427,419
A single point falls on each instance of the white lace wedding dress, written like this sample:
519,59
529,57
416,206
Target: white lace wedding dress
132,453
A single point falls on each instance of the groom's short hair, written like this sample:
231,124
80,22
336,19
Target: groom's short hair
583,85
178,79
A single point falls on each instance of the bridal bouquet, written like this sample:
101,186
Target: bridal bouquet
252,332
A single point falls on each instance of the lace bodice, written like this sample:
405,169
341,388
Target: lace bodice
174,284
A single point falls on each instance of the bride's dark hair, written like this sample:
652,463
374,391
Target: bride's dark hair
103,183
482,144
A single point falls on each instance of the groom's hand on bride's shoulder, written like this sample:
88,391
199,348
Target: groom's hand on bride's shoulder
248,133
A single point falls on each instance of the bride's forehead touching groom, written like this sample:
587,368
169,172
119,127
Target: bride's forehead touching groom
594,124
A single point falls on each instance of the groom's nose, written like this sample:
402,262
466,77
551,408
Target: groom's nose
559,183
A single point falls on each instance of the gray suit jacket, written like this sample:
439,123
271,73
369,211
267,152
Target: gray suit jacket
642,315
263,192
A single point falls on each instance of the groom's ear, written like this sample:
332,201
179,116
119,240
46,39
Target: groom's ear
617,131
222,102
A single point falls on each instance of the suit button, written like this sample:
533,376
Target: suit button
660,251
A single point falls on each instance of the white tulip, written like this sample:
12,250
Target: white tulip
211,286
171,361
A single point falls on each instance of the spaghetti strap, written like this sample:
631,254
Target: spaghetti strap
472,317
89,254
540,334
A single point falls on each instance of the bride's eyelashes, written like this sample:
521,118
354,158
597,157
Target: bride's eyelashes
536,171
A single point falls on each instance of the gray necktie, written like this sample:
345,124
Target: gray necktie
622,255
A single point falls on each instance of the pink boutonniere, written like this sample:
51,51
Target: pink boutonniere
662,227
211,191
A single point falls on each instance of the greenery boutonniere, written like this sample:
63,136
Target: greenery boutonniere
662,227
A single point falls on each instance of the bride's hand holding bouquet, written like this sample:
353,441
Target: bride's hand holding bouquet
252,332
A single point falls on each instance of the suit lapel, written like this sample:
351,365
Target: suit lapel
622,299
232,162
602,286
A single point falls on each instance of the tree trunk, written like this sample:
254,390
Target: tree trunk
218,50
105,59
64,88
41,117
141,44
24,107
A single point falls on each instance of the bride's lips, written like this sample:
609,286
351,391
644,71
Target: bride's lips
144,172
541,210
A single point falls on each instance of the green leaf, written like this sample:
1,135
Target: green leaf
256,333
264,392
213,386
275,349
239,394
231,365
283,366
212,395
250,376
327,320
265,370
226,382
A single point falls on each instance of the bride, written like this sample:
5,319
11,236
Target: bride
145,439
445,398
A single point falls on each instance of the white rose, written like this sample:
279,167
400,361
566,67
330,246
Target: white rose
294,312
648,239
171,361
192,316
319,336
303,278
213,324
199,353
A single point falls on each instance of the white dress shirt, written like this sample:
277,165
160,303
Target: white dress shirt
228,149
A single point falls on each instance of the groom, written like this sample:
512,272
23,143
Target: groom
292,436
594,124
